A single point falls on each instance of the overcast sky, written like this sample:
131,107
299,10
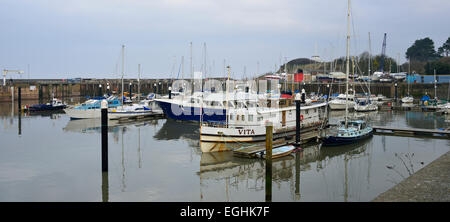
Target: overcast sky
83,38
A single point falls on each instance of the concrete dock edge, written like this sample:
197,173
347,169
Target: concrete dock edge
429,184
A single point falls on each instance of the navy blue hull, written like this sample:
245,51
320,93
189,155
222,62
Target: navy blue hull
338,141
43,107
192,113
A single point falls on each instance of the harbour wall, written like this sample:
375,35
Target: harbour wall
417,90
46,89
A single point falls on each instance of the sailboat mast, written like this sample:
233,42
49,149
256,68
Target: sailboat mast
435,88
228,82
139,82
368,74
192,71
182,67
347,64
123,62
204,45
409,74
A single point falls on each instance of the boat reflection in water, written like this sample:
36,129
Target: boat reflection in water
242,174
175,130
94,125
335,116
425,120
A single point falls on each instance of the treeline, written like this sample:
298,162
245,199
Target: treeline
425,59
422,59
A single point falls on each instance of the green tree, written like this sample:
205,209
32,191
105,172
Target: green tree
442,66
422,50
444,50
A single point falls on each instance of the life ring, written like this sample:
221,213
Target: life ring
301,117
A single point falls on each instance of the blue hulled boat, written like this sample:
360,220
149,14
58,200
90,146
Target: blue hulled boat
355,131
55,104
191,113
212,107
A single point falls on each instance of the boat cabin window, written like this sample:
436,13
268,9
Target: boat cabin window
231,116
230,104
242,118
251,104
250,118
240,105
260,118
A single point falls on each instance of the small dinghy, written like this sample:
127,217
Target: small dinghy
279,151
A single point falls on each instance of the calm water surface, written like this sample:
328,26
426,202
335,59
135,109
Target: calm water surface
49,157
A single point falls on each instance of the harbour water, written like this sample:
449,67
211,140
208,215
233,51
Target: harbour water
48,157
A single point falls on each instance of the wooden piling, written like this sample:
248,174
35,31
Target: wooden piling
105,187
297,175
269,136
297,122
19,99
104,117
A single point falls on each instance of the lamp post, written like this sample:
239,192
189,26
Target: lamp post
328,92
395,92
130,90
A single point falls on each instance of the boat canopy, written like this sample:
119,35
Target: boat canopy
425,98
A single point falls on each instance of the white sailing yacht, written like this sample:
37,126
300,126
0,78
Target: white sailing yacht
408,98
349,131
366,104
127,111
342,101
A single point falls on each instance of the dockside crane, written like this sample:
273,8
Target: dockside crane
5,71
383,54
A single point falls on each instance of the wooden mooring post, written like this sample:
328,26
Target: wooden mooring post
269,136
19,99
104,110
105,186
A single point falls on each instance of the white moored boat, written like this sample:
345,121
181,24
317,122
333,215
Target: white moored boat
339,102
91,108
134,110
408,99
365,106
248,125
